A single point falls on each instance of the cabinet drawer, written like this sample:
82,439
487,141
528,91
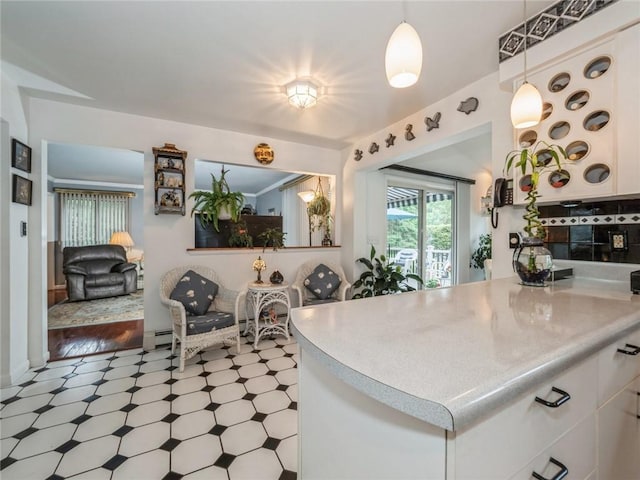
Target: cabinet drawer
500,445
616,369
575,450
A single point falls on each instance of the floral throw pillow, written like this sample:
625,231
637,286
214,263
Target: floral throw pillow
322,282
195,292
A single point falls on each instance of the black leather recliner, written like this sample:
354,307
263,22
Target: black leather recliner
98,271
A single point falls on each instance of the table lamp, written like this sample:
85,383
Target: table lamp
122,238
259,265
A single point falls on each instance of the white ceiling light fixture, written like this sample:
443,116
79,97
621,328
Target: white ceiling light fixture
403,57
302,93
526,106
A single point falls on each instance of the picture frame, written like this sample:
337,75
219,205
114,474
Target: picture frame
618,240
22,188
20,156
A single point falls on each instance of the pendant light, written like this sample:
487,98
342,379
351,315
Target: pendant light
526,106
403,58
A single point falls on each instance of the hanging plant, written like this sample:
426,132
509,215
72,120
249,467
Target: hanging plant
319,211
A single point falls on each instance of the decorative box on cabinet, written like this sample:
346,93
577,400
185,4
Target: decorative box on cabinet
169,169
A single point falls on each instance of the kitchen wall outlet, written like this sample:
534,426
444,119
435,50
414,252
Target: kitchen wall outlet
514,240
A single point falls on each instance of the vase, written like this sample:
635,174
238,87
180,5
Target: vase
532,262
488,264
276,277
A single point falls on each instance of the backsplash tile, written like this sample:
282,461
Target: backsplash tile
582,232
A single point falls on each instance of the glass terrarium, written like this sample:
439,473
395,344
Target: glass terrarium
532,262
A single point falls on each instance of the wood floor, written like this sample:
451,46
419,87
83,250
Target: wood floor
91,339
94,339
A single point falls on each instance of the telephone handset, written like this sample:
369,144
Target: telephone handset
502,195
503,192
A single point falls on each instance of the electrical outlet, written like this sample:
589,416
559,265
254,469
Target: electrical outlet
514,240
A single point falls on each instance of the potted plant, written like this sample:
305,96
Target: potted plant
531,261
218,204
382,277
481,256
272,237
239,235
319,212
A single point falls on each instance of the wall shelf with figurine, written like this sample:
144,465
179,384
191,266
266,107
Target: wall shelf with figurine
169,166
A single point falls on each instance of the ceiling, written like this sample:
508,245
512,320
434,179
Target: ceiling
223,64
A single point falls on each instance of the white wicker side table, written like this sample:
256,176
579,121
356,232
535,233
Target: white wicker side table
264,296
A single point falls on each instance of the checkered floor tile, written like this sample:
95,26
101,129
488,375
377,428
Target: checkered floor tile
133,415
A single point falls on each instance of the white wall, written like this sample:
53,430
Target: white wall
14,254
167,237
360,179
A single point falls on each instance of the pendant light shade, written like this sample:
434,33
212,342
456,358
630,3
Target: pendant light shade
403,58
526,106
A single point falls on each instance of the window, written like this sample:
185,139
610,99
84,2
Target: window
90,217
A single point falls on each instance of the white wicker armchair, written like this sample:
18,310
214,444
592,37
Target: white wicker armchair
305,297
225,301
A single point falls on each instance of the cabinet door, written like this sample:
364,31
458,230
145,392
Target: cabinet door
619,435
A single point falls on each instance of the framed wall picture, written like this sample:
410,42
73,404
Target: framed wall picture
21,190
20,156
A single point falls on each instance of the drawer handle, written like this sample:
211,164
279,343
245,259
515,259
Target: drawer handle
558,476
564,398
635,349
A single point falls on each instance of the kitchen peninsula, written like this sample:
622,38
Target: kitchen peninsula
483,380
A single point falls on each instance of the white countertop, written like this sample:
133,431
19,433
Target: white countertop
451,355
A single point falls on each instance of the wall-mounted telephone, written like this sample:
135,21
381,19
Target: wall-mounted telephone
503,192
502,195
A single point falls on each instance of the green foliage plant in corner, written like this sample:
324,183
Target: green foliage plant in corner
218,204
382,277
482,253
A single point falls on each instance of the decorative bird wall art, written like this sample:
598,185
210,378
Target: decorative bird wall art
432,122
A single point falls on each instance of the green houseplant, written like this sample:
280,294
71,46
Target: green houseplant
272,237
382,277
239,235
531,261
482,253
218,204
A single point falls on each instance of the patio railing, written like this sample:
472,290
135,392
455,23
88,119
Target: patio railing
437,265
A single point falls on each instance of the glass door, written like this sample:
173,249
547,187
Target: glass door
420,236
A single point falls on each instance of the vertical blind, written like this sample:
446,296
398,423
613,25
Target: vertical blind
89,218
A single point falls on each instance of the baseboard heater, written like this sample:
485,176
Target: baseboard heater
159,338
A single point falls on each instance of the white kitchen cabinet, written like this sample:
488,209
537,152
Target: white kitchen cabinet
619,435
603,154
500,445
574,452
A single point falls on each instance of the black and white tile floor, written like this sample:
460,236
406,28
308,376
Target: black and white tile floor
133,415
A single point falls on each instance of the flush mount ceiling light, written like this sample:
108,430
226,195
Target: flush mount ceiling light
403,58
302,93
526,106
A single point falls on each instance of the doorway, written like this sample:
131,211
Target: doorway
420,232
93,192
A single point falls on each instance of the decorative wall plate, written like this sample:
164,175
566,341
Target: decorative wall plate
264,153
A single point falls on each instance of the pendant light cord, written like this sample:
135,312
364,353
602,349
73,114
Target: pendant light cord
524,16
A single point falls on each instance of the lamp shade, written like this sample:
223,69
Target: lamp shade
403,58
526,106
302,93
307,195
121,238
